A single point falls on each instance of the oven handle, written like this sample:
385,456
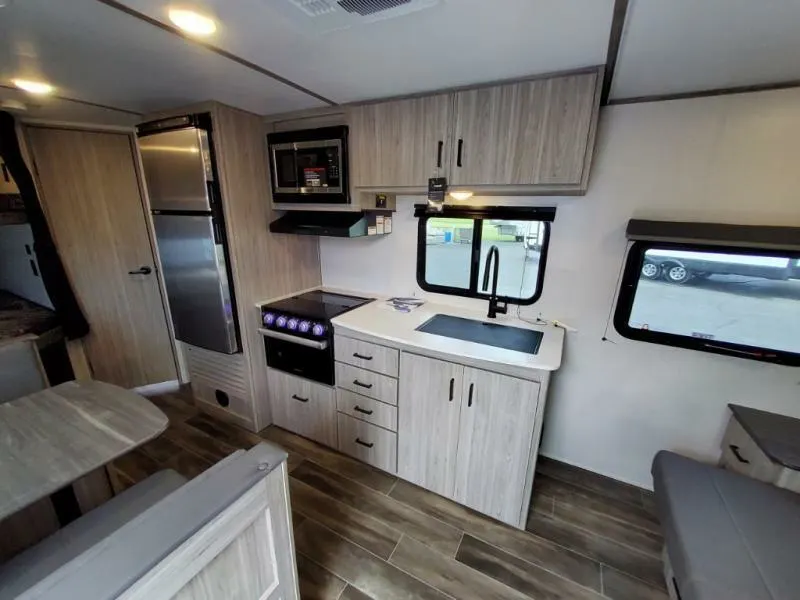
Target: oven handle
293,339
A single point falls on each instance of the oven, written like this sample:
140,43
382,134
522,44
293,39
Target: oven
311,359
309,166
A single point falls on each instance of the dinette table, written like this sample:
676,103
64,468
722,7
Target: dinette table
53,437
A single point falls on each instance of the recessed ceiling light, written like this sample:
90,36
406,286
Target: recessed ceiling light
34,87
192,22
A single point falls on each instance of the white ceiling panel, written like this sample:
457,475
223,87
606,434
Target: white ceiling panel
49,108
676,46
92,52
456,42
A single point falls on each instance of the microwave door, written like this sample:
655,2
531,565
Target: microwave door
196,278
177,169
284,169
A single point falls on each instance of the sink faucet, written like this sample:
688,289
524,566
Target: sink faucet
495,306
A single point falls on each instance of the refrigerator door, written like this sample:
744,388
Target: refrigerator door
177,169
196,276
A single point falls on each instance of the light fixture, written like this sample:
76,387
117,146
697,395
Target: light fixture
192,22
39,88
461,195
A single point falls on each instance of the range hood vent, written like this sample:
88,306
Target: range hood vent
332,224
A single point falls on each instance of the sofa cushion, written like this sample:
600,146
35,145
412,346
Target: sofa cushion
39,561
728,536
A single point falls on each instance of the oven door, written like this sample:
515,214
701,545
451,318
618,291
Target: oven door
305,358
309,171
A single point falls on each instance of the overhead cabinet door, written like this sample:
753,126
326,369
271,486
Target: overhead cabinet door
400,143
428,414
530,133
494,443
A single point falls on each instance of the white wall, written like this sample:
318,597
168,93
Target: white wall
614,404
16,275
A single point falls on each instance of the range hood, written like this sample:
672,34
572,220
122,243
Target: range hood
332,224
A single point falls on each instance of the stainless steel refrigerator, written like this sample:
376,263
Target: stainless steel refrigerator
179,169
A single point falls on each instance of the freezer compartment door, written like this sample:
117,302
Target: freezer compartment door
196,276
177,169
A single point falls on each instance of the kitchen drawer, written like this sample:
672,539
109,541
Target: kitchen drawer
366,383
368,443
366,409
367,355
741,454
304,407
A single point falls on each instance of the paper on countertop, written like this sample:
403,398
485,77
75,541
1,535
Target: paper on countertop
404,304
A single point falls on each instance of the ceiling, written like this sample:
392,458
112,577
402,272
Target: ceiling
125,56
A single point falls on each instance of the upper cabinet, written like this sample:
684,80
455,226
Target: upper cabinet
530,133
400,143
537,134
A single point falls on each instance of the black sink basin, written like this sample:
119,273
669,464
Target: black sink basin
491,334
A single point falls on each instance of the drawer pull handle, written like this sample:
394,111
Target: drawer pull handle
365,444
739,457
359,384
298,398
361,410
471,389
361,356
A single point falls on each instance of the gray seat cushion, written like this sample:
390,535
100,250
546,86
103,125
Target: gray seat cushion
728,536
50,554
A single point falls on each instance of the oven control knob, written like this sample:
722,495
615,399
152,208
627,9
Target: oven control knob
318,329
281,321
304,327
269,319
292,324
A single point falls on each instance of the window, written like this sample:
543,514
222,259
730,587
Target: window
737,301
453,246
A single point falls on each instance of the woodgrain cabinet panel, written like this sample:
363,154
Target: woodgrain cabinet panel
397,143
367,409
428,422
7,184
366,383
367,355
494,442
529,133
364,441
303,407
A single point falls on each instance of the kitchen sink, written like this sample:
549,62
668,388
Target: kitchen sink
490,334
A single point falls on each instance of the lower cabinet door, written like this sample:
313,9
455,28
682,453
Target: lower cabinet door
428,410
494,445
368,442
303,407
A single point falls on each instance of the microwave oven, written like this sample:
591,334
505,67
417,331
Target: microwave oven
309,166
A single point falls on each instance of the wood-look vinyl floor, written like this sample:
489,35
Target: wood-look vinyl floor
363,534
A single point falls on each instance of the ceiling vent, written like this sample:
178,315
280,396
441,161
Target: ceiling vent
331,15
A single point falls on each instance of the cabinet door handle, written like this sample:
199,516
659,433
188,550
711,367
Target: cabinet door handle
361,356
362,411
141,271
469,400
452,383
299,399
460,151
439,154
739,457
359,384
365,444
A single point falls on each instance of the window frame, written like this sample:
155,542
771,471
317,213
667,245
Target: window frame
478,215
634,261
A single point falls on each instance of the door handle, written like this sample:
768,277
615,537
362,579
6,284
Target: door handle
452,383
359,384
460,150
299,399
739,457
471,389
141,271
439,154
361,356
362,411
365,444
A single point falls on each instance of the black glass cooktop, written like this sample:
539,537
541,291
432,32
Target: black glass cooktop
317,304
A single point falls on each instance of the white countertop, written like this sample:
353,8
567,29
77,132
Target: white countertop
377,321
